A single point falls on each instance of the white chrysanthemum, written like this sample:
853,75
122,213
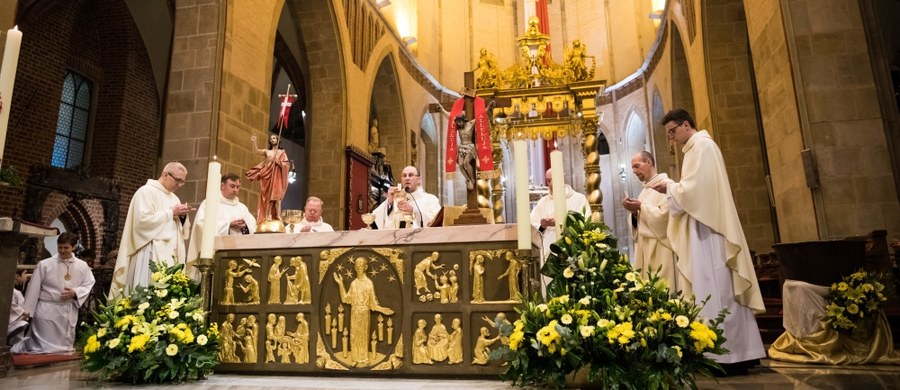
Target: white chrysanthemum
144,306
585,301
171,350
173,315
586,331
630,277
568,272
162,293
603,323
197,316
542,307
566,319
202,340
682,321
101,332
113,343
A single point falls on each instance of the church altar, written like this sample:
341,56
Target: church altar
368,302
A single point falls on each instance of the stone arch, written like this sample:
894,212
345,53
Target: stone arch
386,105
327,105
663,150
429,158
682,90
84,217
636,140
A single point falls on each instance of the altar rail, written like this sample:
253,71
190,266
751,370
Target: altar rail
376,302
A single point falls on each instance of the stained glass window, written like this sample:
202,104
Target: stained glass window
72,123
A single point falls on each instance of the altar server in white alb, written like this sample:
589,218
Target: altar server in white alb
312,218
652,249
422,205
713,258
234,218
155,230
60,285
543,219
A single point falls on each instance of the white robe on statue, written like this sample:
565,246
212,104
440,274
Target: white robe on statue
425,207
53,319
151,233
713,258
229,210
652,248
544,209
314,227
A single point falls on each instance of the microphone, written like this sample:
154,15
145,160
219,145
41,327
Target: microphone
421,217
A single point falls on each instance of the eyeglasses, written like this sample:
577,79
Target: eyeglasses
672,129
178,181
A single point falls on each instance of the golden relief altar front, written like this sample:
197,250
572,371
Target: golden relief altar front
392,302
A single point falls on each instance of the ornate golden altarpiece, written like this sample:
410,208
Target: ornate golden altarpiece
538,98
368,302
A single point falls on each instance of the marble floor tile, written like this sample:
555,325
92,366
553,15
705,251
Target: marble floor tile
770,376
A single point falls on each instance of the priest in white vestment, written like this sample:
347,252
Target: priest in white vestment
542,217
312,218
234,218
59,286
155,229
422,205
652,249
706,234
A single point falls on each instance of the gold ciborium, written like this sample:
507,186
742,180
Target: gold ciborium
367,219
291,217
270,226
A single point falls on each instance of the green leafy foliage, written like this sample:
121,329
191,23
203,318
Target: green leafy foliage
601,316
158,334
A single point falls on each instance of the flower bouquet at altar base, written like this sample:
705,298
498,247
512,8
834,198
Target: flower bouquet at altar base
604,320
158,334
853,304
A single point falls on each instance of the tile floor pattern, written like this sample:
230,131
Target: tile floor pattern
772,375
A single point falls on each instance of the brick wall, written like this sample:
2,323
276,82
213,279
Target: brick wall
97,39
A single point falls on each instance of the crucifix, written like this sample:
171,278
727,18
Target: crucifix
467,155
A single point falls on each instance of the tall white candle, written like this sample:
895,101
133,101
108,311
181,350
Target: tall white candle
559,189
523,219
211,212
8,80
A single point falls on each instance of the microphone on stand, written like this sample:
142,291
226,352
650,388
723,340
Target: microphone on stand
421,217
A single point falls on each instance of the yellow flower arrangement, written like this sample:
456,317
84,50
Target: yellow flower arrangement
851,304
600,315
158,334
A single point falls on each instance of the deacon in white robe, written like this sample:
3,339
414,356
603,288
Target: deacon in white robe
60,285
423,206
312,218
706,234
234,218
542,217
155,229
652,249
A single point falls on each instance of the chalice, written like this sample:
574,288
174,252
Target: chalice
291,217
367,219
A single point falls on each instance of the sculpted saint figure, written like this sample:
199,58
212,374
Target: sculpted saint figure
512,274
272,175
482,351
275,274
423,269
362,300
478,279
